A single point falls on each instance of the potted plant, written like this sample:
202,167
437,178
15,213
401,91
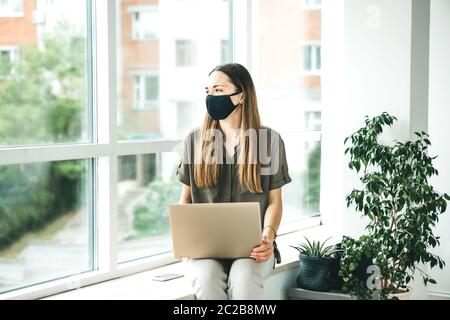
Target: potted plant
318,267
401,206
355,260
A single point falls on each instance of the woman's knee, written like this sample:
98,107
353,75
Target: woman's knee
246,280
246,287
208,279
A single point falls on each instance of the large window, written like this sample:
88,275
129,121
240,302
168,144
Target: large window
46,202
91,124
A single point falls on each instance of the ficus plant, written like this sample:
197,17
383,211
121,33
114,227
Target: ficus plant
401,205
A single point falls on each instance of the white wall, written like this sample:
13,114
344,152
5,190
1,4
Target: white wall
366,70
378,61
377,64
439,129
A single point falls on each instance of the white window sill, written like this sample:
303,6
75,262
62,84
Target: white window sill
140,286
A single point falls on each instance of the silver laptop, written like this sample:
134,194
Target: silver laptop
215,230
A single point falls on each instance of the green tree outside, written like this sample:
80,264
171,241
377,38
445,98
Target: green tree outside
42,100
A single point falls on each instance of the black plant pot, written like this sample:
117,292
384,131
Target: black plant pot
318,273
361,270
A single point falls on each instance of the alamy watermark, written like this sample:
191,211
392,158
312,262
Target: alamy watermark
374,280
264,147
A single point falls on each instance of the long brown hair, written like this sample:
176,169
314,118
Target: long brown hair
207,165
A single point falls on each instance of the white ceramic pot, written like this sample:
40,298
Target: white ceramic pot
403,295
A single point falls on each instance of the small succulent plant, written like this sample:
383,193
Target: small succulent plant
315,248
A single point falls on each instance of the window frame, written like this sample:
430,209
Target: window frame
106,149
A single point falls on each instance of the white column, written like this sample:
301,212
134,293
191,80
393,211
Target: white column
331,184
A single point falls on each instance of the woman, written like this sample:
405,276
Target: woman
232,158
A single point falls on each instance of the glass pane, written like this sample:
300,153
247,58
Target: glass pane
185,53
47,85
181,54
45,222
307,58
225,52
289,84
17,5
301,197
151,88
147,185
318,58
186,117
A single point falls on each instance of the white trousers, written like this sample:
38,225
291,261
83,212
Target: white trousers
217,279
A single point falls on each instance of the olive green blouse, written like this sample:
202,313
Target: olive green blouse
229,188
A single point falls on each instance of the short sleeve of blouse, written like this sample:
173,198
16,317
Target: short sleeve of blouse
183,172
280,165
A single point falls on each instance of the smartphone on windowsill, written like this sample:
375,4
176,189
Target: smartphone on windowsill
167,276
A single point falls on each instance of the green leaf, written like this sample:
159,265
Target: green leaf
408,279
357,166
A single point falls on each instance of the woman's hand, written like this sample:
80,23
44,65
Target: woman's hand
264,251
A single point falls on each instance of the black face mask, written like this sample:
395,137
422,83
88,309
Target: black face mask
220,107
